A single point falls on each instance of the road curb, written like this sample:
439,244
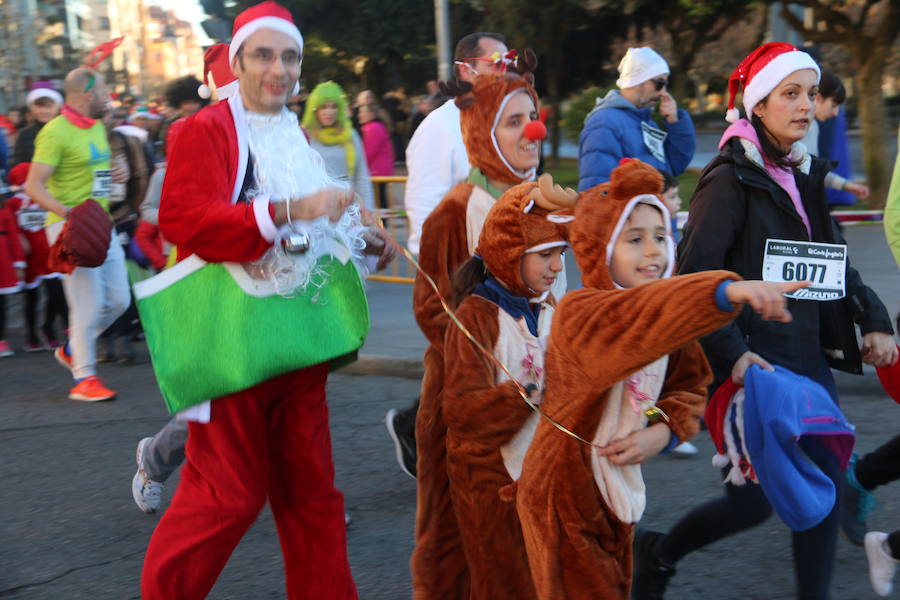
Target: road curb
387,366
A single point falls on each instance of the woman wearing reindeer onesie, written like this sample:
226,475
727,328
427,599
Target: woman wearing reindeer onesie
495,116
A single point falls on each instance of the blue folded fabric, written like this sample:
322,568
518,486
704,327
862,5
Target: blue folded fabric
782,407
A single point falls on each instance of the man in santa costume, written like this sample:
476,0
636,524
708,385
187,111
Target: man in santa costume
236,169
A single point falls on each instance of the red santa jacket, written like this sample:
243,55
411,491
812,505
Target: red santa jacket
199,210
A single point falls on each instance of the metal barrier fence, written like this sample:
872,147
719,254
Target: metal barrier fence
396,224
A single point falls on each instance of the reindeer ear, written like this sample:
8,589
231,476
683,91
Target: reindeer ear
454,89
530,59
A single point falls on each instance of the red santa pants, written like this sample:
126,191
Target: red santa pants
270,442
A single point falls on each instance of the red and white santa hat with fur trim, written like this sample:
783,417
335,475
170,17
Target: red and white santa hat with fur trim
761,71
216,63
266,15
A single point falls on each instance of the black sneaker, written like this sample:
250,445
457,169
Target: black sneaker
651,575
402,427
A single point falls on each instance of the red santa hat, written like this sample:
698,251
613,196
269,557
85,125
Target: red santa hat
761,71
724,421
217,64
18,174
267,15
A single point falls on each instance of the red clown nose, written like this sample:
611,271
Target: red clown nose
535,131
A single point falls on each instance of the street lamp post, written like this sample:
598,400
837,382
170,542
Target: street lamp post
442,32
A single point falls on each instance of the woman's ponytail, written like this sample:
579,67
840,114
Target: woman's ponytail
467,277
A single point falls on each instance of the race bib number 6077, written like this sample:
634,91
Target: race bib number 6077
823,265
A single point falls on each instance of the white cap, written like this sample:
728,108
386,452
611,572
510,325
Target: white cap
36,94
639,65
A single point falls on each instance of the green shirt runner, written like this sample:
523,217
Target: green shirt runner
81,161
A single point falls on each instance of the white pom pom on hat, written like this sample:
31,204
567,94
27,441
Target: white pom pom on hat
761,72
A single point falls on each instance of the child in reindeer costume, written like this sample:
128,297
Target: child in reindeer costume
507,307
495,114
622,350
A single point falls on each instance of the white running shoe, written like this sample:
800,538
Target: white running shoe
147,493
881,564
684,450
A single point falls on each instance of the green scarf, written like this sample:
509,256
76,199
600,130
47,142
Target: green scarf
342,131
476,177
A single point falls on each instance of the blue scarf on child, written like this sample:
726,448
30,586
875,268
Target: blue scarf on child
516,306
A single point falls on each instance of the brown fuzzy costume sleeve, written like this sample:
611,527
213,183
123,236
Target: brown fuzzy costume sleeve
683,397
604,336
443,249
475,408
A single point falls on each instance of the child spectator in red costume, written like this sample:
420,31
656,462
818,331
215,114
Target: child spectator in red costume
12,269
30,220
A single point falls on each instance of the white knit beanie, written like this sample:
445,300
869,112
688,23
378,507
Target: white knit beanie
638,65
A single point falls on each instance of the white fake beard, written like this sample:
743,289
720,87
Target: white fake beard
285,166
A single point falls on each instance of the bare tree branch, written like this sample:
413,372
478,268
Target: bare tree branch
831,35
864,13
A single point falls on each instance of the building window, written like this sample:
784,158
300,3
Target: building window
104,23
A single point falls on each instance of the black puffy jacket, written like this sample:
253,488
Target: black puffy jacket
736,207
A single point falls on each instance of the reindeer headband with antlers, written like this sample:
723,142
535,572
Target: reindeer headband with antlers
529,217
481,105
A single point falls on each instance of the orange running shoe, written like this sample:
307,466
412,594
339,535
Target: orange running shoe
91,389
63,357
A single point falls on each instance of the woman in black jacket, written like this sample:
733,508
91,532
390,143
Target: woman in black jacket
43,104
762,186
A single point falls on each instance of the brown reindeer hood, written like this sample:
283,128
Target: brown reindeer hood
601,213
480,107
529,217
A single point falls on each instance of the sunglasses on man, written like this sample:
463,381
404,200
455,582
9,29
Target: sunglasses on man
660,83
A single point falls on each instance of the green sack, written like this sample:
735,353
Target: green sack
212,330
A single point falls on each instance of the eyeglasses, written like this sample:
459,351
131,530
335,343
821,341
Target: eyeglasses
500,61
660,83
266,57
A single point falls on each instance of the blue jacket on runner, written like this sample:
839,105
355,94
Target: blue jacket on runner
615,130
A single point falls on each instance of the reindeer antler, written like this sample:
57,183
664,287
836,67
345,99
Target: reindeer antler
527,62
454,88
101,52
459,90
552,196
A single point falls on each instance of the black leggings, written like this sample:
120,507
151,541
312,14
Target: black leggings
746,506
56,307
2,317
881,466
